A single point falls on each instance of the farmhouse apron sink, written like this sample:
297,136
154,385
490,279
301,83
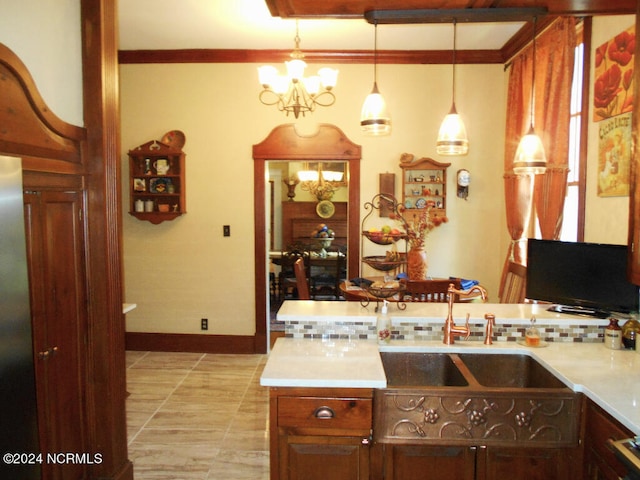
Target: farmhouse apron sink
473,399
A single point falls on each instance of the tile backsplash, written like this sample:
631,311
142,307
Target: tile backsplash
420,331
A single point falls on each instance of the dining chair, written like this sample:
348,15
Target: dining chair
286,277
429,290
301,280
514,283
326,282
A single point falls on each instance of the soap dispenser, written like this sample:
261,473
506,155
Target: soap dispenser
383,325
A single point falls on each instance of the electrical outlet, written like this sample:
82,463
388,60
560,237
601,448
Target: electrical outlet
226,230
204,324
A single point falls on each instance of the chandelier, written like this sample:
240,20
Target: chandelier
320,183
293,93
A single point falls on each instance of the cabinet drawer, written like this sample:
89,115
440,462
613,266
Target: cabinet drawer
319,412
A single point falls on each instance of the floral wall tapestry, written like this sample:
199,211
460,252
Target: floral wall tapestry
612,108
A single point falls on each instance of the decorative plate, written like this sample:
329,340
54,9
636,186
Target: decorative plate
325,209
407,203
174,138
159,185
421,203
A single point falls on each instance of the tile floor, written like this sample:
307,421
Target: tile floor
197,416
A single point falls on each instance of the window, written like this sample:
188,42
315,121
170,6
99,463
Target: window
573,221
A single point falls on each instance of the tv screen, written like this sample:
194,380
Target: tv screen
591,276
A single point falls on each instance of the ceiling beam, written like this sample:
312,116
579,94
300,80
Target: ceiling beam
462,15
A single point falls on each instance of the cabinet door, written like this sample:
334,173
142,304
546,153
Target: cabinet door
529,464
306,457
413,462
55,246
601,462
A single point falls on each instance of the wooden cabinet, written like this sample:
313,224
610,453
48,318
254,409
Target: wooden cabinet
319,433
600,462
454,462
417,462
424,184
301,219
157,187
55,246
528,463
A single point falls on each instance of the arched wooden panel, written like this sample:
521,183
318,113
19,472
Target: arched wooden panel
285,143
27,127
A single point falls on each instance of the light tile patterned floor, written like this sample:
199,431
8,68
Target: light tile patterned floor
193,416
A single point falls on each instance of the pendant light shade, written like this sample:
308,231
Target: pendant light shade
530,157
374,117
452,137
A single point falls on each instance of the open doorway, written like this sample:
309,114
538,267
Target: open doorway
284,143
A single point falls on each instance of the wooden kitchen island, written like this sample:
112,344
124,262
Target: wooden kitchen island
322,393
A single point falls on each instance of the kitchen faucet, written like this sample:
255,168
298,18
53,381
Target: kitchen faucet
451,330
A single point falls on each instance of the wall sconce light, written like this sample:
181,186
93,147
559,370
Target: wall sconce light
291,183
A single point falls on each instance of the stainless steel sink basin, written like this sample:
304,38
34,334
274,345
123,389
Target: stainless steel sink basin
509,371
408,369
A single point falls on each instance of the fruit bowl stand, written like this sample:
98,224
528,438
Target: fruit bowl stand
393,262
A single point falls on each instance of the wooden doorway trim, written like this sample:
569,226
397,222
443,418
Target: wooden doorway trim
285,143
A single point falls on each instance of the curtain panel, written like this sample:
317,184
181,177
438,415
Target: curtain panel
552,101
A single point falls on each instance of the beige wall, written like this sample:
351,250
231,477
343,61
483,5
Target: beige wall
45,34
178,272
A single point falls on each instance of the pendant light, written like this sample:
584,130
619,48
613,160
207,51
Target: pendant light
374,117
530,157
452,137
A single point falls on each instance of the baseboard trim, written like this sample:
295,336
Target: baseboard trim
182,342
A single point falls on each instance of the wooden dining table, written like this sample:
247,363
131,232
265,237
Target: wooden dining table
352,292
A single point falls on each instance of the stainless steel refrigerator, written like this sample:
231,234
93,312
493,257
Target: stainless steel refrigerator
18,414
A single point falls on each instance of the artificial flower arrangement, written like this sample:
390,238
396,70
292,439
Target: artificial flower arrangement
421,224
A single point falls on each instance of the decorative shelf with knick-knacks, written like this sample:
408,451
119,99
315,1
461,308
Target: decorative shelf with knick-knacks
424,185
157,180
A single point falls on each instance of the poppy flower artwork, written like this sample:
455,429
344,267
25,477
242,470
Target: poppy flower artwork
613,79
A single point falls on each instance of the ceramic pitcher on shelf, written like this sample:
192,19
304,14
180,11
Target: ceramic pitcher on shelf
162,166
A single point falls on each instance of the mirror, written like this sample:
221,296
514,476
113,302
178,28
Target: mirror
285,144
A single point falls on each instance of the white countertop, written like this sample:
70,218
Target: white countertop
331,311
610,378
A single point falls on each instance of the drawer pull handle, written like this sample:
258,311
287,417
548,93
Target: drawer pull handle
324,413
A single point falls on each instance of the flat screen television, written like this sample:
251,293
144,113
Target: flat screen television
583,278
